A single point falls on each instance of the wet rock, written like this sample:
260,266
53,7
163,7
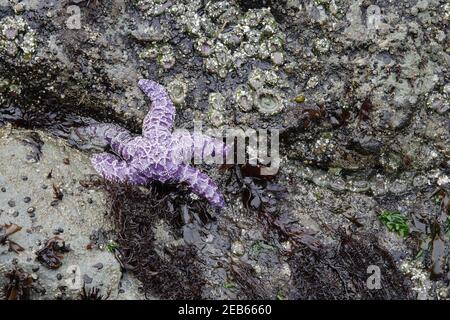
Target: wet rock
191,234
369,132
368,145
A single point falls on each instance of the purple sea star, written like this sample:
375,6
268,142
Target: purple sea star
157,154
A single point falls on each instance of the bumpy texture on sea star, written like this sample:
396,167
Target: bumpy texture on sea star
157,154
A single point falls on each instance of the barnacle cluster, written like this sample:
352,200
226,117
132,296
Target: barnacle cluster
17,39
263,92
178,89
224,36
216,113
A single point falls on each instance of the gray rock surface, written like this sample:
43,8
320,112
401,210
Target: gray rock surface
27,176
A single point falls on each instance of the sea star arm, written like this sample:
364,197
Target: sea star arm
114,169
162,114
109,134
208,146
201,185
199,145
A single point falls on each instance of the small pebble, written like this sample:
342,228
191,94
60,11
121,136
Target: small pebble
31,209
27,199
3,189
19,8
87,279
11,203
59,276
15,214
237,248
58,231
89,200
44,186
98,265
300,99
24,178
